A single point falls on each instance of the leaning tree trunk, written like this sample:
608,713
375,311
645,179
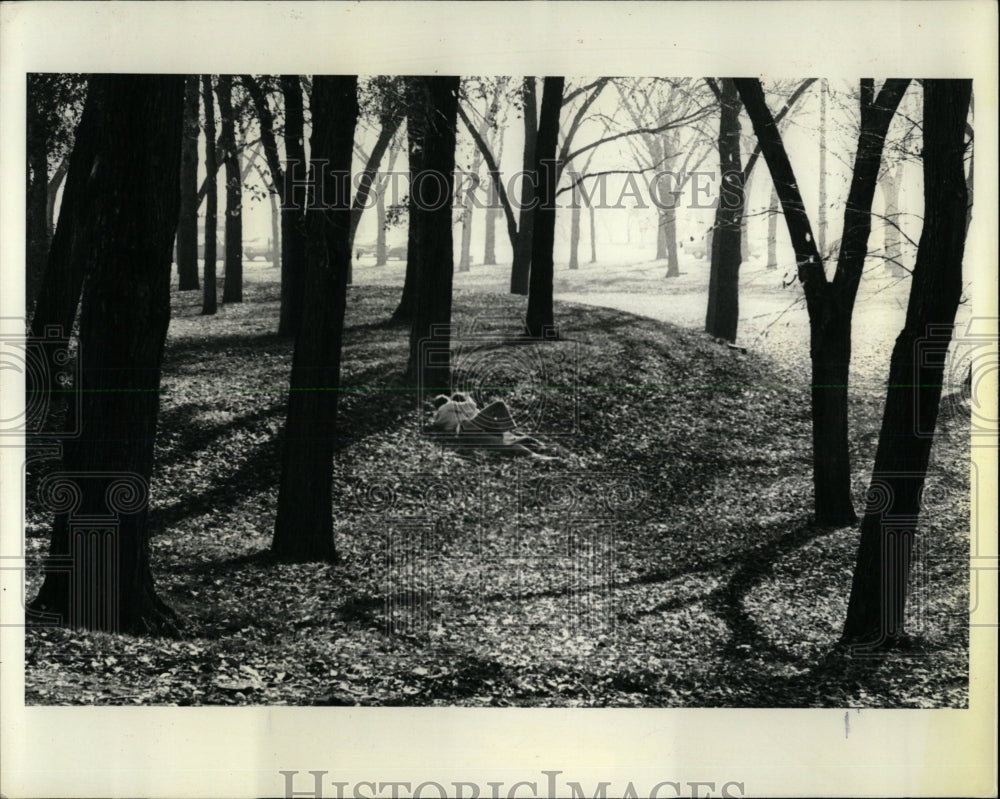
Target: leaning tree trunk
540,321
99,577
232,286
875,613
209,301
293,243
723,313
303,528
429,364
521,266
830,303
187,227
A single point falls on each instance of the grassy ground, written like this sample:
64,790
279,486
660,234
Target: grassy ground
664,558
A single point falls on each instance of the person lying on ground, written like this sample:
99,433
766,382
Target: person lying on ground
493,426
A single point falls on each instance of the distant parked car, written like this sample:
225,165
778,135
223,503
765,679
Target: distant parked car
398,252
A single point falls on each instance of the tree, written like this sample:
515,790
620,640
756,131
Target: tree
888,532
830,303
187,227
540,318
415,134
209,302
293,246
232,287
722,315
432,196
101,579
54,105
521,266
303,528
59,295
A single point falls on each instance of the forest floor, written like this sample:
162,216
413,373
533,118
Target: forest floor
663,558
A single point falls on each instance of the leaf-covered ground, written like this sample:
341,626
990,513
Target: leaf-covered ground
663,558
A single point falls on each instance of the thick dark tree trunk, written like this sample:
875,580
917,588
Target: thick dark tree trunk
59,295
99,577
574,236
187,227
232,287
830,303
429,364
540,320
293,242
521,266
303,528
875,612
723,313
669,218
209,302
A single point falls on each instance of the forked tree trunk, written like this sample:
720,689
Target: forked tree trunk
122,229
209,301
540,320
187,227
722,316
875,613
830,303
303,528
430,339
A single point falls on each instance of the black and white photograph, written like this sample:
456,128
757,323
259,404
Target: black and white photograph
431,386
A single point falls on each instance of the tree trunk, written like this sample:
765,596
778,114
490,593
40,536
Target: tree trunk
593,237
723,313
521,266
37,230
187,227
540,320
890,228
430,338
275,229
670,240
303,528
293,243
490,245
830,303
62,282
773,210
381,254
415,133
232,287
574,236
875,612
465,253
98,576
209,302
